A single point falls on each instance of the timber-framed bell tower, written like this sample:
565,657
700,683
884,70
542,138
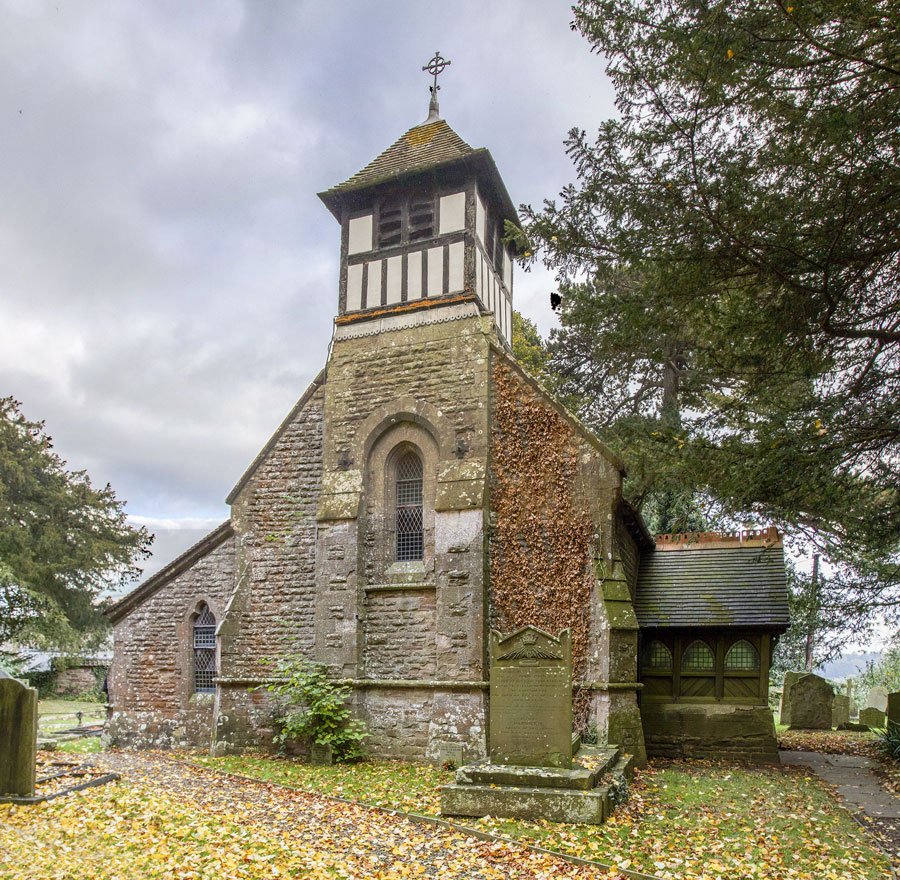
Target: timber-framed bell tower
422,227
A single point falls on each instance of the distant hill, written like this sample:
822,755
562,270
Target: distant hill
847,665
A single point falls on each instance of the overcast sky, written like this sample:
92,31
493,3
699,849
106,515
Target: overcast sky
169,277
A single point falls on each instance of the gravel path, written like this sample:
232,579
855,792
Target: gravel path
362,841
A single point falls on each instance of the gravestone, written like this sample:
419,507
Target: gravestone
531,699
877,699
871,717
811,699
320,754
530,773
450,753
18,738
893,708
840,710
784,710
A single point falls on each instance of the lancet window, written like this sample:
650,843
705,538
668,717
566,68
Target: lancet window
204,651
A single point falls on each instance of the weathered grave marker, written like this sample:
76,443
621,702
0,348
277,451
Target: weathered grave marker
840,710
871,717
893,707
531,699
18,737
784,710
877,699
450,753
320,754
530,774
811,699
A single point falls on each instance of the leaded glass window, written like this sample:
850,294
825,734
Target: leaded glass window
410,531
742,657
204,651
698,656
657,656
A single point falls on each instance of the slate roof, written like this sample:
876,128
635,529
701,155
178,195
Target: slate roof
423,146
180,564
723,586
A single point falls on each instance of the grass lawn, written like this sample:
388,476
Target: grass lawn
695,820
83,745
56,715
396,785
836,742
64,707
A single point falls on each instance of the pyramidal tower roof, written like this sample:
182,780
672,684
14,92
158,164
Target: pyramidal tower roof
423,146
428,147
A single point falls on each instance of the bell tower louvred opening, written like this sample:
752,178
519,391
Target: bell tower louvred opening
423,227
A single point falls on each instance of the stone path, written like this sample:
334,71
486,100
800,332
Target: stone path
855,782
349,839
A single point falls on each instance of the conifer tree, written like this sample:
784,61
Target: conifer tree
729,264
62,542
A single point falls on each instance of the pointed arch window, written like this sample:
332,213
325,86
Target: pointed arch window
742,657
658,656
204,651
698,657
409,522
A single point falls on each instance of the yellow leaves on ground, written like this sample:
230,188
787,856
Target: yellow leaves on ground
705,821
697,820
396,785
172,821
835,742
120,832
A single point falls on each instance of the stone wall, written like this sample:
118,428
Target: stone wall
400,634
420,383
274,517
557,548
75,680
151,697
711,732
273,608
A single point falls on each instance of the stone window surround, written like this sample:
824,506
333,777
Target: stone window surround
380,506
184,647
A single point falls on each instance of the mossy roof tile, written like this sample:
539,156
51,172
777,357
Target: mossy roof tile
423,146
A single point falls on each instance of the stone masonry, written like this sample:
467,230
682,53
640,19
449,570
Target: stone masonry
517,515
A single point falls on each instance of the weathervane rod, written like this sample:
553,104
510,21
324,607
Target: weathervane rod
435,66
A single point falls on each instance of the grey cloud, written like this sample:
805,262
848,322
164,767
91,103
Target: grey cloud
169,276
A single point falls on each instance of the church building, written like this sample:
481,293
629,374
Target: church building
424,490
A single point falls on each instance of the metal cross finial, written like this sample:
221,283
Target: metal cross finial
436,66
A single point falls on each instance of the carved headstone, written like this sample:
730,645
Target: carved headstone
810,703
784,711
320,754
893,707
871,717
877,699
450,753
840,710
18,737
531,699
